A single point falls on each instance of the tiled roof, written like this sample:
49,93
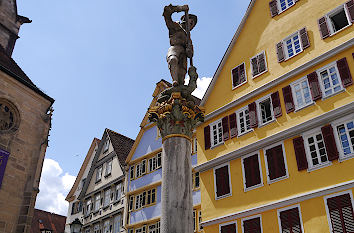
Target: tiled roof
9,66
43,220
121,145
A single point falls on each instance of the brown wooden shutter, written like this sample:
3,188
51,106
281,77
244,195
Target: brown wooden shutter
341,213
207,141
279,159
231,228
276,104
322,24
254,64
252,112
280,52
304,38
330,143
300,153
350,7
225,128
222,181
261,63
314,86
344,72
233,125
235,76
252,225
273,8
288,99
271,163
242,73
252,172
290,219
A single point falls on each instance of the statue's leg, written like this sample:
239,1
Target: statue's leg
182,68
173,66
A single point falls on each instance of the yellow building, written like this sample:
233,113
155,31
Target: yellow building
275,151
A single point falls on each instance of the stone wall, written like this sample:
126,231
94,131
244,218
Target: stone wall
27,145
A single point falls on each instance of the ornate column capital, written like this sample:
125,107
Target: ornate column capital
176,116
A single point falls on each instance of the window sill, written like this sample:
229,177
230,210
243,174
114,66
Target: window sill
281,11
334,33
256,76
223,196
105,176
314,168
268,122
221,143
343,158
333,94
235,87
105,207
305,106
253,187
97,181
278,179
288,58
116,202
246,132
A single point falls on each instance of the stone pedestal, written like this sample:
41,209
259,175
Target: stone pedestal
177,203
176,117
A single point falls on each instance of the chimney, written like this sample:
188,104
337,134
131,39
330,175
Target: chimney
10,23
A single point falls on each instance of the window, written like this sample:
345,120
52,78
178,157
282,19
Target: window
292,45
154,228
145,198
88,207
216,133
151,196
73,208
98,174
329,79
258,64
345,137
109,167
107,197
194,220
106,227
316,150
200,220
97,202
285,4
141,229
265,110
228,228
222,181
118,193
131,172
97,228
155,162
243,121
252,224
238,75
339,208
251,172
140,169
290,220
195,181
117,223
87,230
301,92
131,202
106,146
275,163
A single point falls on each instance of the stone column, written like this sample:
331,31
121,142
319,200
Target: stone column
176,119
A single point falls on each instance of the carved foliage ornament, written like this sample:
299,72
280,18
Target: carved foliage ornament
9,117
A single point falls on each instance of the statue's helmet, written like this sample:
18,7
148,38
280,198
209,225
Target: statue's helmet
191,17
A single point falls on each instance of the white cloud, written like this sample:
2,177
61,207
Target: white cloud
202,85
54,187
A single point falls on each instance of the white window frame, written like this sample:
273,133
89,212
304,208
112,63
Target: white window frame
331,13
259,113
336,123
232,78
239,123
287,6
212,135
245,189
335,195
293,84
215,188
265,61
99,173
118,190
327,67
311,167
106,146
285,162
252,217
228,223
105,204
97,207
288,208
109,165
105,225
286,52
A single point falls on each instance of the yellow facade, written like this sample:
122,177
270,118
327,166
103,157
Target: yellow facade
260,32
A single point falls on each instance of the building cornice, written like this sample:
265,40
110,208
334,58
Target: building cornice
281,203
149,186
323,57
280,136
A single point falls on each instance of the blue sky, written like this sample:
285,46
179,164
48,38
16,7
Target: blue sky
100,61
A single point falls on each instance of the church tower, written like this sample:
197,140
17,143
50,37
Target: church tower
25,121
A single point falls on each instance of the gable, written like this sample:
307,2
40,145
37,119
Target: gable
148,142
